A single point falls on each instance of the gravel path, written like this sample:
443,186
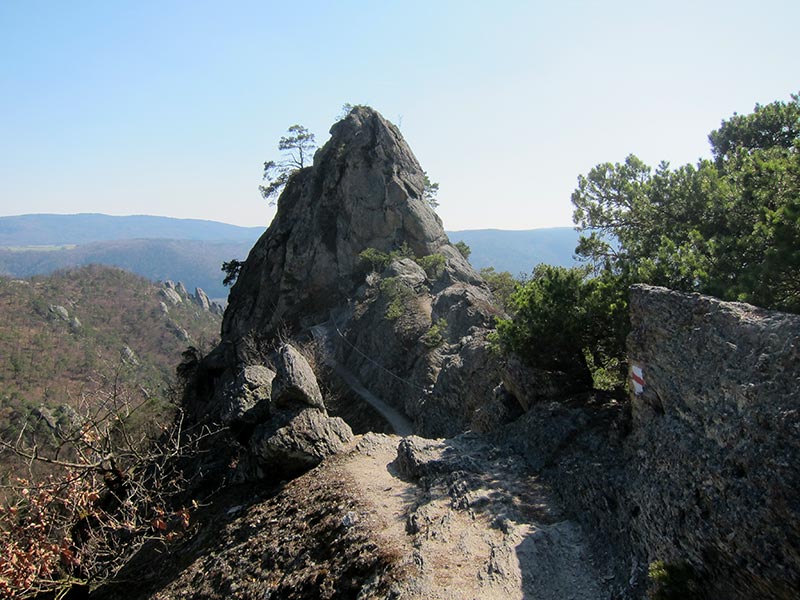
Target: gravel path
400,423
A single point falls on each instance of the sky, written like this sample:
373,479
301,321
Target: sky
171,107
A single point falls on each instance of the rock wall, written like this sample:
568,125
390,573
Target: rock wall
716,434
699,470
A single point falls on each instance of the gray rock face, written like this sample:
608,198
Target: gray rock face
417,457
296,384
276,422
698,469
201,299
170,295
531,386
717,432
181,290
245,398
364,191
129,356
178,331
59,312
299,444
425,315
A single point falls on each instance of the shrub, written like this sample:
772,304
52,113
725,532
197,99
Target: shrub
462,247
375,259
397,293
433,264
672,581
562,317
435,335
87,506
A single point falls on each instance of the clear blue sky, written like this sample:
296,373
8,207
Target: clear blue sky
170,108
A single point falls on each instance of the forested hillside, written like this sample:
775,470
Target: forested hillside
73,339
195,262
44,229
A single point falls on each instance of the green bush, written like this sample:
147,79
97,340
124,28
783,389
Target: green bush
435,335
564,319
433,264
397,293
462,247
375,259
672,581
502,284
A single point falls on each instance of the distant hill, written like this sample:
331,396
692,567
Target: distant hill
519,251
192,251
159,248
92,335
194,262
58,230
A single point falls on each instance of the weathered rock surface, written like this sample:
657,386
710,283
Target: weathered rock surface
276,421
59,312
201,299
717,433
531,386
699,469
413,334
364,191
246,397
296,384
284,447
170,295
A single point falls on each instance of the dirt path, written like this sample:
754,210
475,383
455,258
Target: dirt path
401,518
400,423
470,525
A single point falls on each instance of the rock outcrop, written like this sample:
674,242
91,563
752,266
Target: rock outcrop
717,431
201,299
698,470
276,413
410,323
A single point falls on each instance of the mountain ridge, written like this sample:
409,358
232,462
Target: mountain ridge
59,229
27,236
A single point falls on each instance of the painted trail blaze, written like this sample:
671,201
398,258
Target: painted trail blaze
637,378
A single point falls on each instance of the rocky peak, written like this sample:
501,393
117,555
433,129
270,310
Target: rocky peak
410,325
364,190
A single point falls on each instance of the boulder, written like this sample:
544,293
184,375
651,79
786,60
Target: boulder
287,447
295,384
416,455
245,398
59,312
530,385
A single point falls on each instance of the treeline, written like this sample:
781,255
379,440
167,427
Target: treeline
728,227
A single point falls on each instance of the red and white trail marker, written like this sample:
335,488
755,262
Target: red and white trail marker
637,379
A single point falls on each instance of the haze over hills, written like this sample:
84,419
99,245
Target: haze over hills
192,250
50,229
519,251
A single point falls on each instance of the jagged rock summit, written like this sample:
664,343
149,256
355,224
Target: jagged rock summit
406,322
365,190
